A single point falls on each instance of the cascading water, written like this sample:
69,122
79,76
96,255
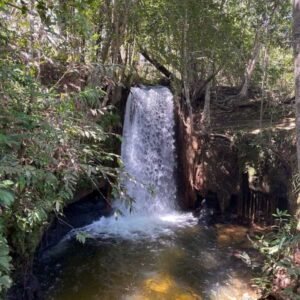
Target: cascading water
148,150
148,154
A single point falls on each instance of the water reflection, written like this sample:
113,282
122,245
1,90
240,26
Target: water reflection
192,263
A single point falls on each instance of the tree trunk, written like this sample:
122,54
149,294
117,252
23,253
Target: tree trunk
100,32
116,34
32,52
296,32
186,81
250,67
205,120
263,85
107,32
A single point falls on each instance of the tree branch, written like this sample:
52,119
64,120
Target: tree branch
198,91
156,64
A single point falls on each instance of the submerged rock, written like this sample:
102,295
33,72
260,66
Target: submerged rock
207,212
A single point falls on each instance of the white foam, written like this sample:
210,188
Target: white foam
135,227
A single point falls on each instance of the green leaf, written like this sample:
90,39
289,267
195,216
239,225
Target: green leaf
7,182
6,197
22,183
4,263
5,282
82,236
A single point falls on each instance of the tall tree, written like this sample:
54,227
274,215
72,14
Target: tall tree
296,32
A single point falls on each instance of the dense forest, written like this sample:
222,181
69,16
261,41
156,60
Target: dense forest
66,68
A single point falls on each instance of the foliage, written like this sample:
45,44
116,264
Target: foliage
63,65
6,196
266,153
50,142
220,34
82,236
280,250
296,184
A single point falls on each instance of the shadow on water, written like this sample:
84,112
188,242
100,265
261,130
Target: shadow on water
190,263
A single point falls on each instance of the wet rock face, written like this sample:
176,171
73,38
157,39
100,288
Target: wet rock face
206,217
207,209
76,215
205,164
216,169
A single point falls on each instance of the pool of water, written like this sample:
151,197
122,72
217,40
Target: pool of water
178,262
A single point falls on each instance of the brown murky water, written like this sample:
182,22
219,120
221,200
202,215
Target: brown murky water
190,263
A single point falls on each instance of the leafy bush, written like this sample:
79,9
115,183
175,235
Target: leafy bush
47,148
281,253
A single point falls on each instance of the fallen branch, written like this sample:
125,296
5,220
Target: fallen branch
156,64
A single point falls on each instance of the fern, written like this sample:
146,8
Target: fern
91,97
49,148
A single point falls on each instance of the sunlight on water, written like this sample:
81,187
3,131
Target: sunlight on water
180,263
139,226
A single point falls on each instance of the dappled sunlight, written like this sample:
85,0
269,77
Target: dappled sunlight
163,286
285,124
231,234
159,285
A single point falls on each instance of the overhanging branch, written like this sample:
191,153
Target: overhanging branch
156,64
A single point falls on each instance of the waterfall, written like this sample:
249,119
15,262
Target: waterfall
148,176
148,150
